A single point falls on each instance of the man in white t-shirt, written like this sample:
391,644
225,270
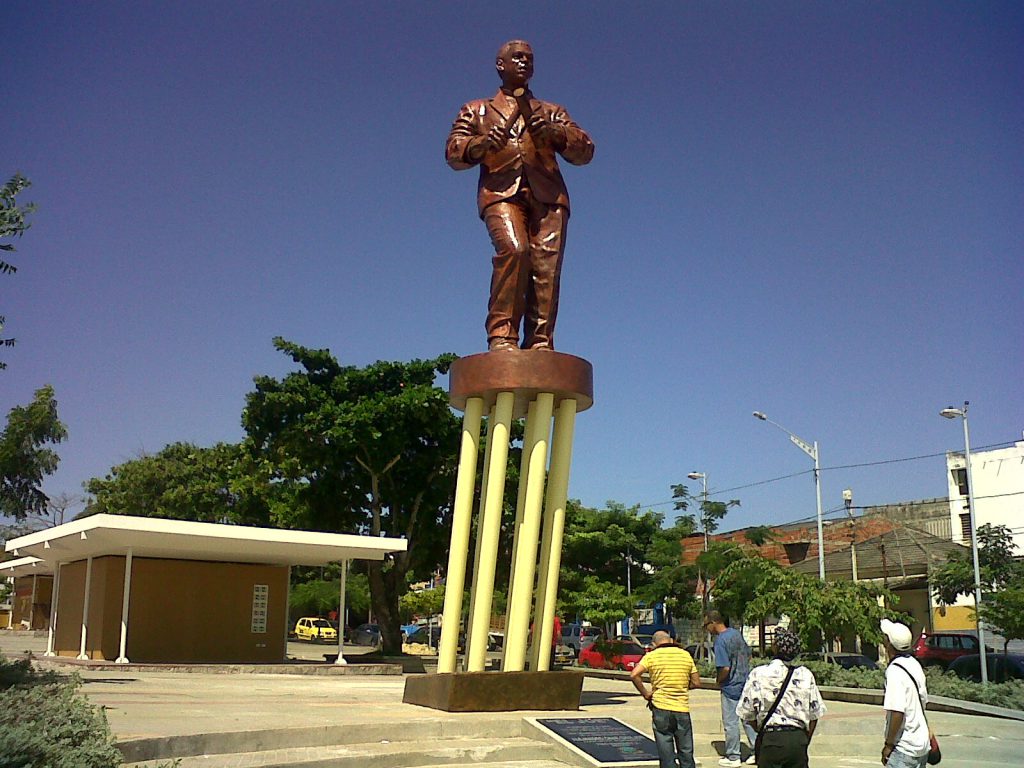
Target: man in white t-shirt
906,693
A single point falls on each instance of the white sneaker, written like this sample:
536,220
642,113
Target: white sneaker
751,760
728,762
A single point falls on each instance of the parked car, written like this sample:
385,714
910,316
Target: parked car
844,660
702,650
312,629
563,655
614,654
579,636
431,636
1001,667
647,641
366,634
941,648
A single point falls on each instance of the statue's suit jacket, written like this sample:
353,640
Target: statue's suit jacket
502,171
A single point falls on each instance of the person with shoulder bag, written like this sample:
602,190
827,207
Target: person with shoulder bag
909,742
782,702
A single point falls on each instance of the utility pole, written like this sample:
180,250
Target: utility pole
848,502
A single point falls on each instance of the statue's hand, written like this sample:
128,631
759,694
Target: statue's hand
496,138
545,131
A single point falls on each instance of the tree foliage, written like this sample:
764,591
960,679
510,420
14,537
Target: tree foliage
605,551
1003,611
318,597
710,513
360,450
995,563
817,611
185,482
13,222
25,458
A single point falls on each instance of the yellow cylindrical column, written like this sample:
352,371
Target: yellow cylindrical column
489,531
524,566
524,472
554,524
479,521
455,577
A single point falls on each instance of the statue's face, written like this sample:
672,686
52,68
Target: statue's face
515,65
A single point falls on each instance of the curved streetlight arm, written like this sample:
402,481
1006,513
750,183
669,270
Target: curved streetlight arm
812,451
803,445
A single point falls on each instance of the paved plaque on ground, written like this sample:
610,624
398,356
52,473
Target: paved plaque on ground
605,739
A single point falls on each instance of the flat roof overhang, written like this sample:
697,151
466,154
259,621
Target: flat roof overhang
155,537
25,566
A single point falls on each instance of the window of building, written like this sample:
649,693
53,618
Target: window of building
960,478
965,526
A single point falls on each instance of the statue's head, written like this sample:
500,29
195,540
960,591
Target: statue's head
515,64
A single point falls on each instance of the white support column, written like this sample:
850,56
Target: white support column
32,602
53,610
462,518
341,616
287,595
489,531
85,610
525,565
554,524
125,598
479,539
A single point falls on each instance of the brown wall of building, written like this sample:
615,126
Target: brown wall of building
31,601
179,611
192,611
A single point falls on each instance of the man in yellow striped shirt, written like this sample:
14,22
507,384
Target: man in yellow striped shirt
672,674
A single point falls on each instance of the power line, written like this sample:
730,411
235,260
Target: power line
724,491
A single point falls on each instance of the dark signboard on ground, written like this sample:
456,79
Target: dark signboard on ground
605,739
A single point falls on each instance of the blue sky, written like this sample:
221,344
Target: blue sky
811,209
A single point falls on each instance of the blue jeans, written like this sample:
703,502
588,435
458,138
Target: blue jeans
731,726
673,734
899,760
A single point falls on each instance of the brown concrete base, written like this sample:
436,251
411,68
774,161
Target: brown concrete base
496,691
525,372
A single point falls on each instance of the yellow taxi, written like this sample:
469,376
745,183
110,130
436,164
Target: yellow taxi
313,629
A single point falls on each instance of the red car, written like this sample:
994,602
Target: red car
941,648
613,654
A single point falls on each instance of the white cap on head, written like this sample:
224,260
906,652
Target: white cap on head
898,634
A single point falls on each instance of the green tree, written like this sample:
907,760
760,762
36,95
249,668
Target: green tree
622,550
319,596
425,602
818,612
25,458
185,482
13,222
1003,612
996,564
368,450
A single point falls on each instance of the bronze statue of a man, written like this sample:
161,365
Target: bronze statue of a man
522,198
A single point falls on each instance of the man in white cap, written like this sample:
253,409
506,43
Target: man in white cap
906,694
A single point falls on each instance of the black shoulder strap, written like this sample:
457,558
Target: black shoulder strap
771,711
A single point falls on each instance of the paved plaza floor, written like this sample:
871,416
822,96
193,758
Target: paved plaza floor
142,704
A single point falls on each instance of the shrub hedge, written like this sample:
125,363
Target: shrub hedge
940,683
45,722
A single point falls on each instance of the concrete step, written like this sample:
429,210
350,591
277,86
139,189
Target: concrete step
515,750
234,742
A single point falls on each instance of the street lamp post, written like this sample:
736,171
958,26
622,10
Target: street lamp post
702,476
952,413
812,451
